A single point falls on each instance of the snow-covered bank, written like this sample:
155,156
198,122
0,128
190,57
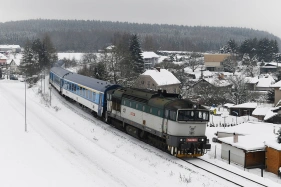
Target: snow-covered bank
61,148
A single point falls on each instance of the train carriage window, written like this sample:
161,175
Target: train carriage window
150,111
94,96
159,113
172,115
143,108
199,114
74,88
166,113
130,104
90,95
83,92
137,106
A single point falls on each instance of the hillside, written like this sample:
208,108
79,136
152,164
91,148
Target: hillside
84,36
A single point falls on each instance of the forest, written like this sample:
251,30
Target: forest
93,35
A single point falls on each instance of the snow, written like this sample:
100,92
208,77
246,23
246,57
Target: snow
62,148
245,105
261,110
248,142
149,54
227,105
76,56
277,84
265,81
3,57
162,77
270,114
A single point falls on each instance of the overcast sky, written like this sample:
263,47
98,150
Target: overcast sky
257,14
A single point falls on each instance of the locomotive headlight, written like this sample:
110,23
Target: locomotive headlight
181,139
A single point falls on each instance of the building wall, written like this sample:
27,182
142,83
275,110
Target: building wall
253,159
146,82
236,155
273,160
277,95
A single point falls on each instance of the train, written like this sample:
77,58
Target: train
162,119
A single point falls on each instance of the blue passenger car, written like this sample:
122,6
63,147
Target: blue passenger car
56,77
87,91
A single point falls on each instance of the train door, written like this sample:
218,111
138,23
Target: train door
100,105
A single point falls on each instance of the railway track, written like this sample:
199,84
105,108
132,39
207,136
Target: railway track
223,173
231,177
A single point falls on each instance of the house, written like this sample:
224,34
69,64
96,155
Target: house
220,85
270,67
13,48
150,59
247,151
254,149
274,115
13,66
3,60
213,62
156,79
277,92
243,109
260,112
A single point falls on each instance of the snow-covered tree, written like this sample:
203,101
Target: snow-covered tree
194,61
136,56
89,58
230,64
240,91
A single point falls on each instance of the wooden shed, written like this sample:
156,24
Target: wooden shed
273,157
243,150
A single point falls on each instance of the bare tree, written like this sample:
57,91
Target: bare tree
89,58
194,61
240,92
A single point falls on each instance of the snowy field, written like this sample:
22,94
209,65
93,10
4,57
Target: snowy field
61,148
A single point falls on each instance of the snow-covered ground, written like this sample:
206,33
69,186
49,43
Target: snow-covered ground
61,148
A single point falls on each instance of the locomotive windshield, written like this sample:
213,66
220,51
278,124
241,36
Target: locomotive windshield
193,115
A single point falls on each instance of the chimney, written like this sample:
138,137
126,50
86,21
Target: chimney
235,138
158,68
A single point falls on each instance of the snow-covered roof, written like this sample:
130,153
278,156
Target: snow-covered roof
245,105
9,46
273,144
265,81
261,111
110,47
270,114
277,84
162,77
218,83
228,105
253,139
252,80
248,142
149,54
3,57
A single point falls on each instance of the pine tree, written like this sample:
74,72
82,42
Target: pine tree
29,65
136,56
